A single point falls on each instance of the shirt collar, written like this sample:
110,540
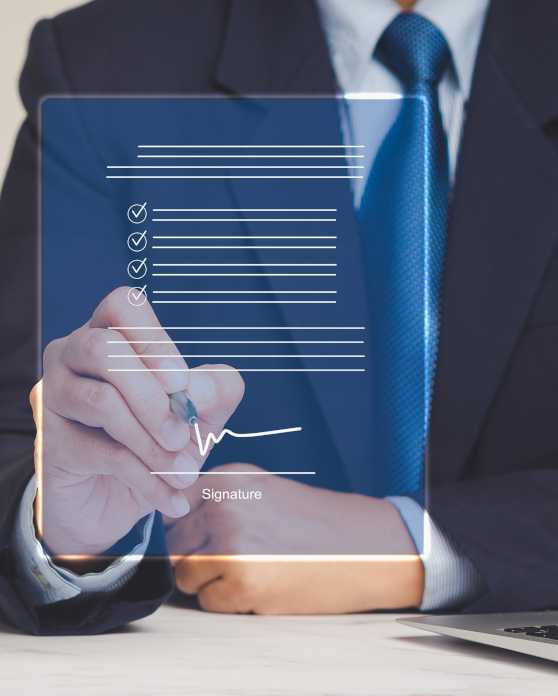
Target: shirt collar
353,28
461,23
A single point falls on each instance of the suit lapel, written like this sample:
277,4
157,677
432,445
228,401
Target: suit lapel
274,48
502,224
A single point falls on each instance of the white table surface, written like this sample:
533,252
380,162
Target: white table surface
184,651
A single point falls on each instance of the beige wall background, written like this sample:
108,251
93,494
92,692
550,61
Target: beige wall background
17,18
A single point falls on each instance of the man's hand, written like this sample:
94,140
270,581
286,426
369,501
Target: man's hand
101,433
293,518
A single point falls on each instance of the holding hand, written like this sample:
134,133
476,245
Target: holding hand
101,433
300,523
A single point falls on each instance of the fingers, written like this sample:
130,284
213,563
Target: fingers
216,391
85,353
223,585
191,535
193,574
227,595
83,451
99,405
140,328
131,403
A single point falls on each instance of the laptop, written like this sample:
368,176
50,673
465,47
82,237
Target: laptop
530,633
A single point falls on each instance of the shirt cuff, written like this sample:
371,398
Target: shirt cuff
450,580
45,583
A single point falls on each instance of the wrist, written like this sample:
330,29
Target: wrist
398,583
64,544
394,579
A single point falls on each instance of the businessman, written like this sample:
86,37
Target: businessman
488,69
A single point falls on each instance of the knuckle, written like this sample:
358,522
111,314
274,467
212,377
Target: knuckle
141,348
94,345
52,351
245,583
113,335
100,396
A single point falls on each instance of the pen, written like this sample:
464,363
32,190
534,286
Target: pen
183,407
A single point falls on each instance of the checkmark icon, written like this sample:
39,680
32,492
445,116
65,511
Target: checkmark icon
137,213
137,297
137,242
137,268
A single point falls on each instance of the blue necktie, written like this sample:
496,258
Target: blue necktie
403,215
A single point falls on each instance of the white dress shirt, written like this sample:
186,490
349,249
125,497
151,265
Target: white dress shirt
353,28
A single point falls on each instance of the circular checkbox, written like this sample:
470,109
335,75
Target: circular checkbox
137,268
137,241
137,297
137,213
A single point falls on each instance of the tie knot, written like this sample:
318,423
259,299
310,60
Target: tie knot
414,49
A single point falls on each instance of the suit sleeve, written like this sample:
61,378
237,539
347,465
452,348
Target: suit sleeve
20,360
507,527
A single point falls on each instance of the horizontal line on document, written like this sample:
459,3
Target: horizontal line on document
240,219
229,355
236,342
244,248
244,302
245,292
234,473
239,176
243,236
235,166
244,275
345,156
241,369
244,210
251,146
274,265
243,328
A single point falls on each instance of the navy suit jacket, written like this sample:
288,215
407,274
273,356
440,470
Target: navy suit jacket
493,469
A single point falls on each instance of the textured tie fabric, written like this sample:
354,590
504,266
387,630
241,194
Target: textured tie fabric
403,216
